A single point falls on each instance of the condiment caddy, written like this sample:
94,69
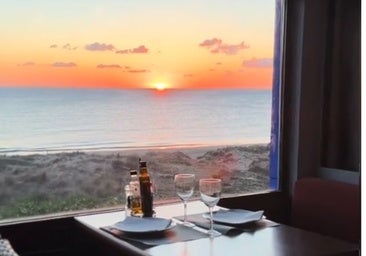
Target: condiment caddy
139,196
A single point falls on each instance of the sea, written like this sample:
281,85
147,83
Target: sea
39,120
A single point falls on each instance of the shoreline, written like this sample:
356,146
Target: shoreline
136,149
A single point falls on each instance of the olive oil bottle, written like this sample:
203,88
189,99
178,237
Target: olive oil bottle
136,207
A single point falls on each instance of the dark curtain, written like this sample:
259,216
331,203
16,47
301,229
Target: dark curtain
341,134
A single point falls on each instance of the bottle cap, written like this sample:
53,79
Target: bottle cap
142,164
133,172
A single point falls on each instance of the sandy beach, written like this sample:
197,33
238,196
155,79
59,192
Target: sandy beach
43,183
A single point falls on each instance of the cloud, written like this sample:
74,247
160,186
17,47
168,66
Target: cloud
229,49
109,66
122,51
216,45
27,64
63,64
99,47
138,71
64,47
258,63
69,47
188,75
139,49
211,42
218,63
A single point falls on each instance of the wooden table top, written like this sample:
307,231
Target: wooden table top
275,240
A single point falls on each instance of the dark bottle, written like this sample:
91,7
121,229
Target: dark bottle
145,188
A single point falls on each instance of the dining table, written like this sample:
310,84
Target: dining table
261,237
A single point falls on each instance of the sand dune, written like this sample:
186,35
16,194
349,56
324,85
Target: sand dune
96,179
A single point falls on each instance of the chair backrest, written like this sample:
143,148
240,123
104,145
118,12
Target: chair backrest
328,207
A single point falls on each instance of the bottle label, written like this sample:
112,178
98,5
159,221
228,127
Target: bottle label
135,188
136,208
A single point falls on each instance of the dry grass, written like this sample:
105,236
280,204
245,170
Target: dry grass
95,179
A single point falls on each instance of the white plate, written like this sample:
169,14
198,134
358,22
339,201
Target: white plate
143,225
235,216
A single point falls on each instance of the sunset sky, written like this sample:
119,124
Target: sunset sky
137,43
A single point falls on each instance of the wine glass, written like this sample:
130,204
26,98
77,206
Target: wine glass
184,186
210,190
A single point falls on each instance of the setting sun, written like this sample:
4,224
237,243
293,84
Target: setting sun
160,86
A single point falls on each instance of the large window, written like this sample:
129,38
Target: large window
89,87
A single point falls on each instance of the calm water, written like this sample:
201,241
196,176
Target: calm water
40,120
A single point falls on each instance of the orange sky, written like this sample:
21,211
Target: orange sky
137,44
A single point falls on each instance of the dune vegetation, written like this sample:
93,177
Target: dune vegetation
48,183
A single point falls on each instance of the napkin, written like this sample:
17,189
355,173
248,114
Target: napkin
248,221
235,216
178,233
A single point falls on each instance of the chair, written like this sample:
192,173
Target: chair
328,207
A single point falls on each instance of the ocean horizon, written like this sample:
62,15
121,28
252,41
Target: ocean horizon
44,120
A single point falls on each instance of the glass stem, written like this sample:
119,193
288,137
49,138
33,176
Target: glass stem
185,211
211,219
